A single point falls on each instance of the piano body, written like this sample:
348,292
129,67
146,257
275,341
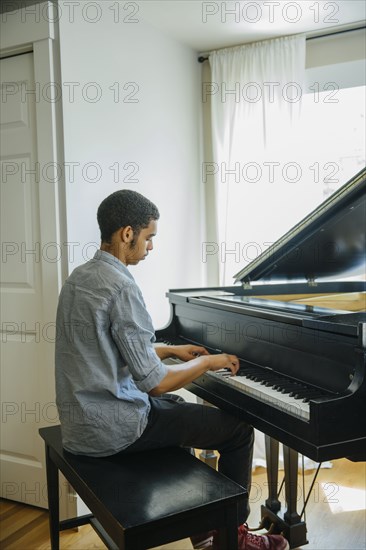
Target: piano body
297,322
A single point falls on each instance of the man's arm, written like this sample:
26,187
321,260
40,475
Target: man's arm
184,352
180,375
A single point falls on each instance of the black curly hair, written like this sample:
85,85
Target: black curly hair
122,208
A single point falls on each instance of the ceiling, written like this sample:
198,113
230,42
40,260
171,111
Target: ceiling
205,26
209,25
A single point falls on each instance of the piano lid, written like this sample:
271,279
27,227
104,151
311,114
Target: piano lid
329,243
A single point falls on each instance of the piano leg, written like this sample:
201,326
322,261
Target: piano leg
290,526
290,459
272,501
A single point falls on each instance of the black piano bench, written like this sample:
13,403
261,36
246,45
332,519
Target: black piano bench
145,499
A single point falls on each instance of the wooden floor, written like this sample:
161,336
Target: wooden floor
336,511
335,516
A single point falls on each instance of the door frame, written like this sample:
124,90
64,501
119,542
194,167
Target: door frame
38,32
23,32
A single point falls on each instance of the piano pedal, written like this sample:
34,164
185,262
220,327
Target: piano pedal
260,527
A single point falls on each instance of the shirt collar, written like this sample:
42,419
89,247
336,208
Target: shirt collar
112,260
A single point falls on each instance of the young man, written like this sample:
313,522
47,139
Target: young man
111,384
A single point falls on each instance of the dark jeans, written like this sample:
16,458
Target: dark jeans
174,422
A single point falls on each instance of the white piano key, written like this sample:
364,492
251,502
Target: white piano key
290,405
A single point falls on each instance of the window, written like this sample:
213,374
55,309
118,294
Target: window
326,148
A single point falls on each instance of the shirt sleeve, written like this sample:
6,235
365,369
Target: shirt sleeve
133,333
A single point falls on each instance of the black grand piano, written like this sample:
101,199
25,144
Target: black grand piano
297,322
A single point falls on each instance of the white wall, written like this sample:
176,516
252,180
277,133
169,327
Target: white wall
338,59
159,134
337,48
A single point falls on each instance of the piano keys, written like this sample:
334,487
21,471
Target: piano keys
297,321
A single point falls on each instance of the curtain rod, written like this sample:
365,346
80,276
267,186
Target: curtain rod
202,58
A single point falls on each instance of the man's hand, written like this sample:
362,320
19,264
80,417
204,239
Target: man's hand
216,362
188,352
224,361
184,353
180,375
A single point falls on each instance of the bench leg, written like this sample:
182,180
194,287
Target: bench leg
53,500
228,536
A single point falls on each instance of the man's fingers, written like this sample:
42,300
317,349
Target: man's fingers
197,351
200,351
234,368
225,361
234,363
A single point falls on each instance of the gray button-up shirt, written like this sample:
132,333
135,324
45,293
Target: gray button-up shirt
105,358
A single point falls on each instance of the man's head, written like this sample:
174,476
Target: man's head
127,222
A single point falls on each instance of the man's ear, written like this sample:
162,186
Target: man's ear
126,234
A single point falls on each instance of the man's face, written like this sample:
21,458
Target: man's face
142,245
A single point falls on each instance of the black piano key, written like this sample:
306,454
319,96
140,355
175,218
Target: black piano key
311,395
289,390
307,393
283,386
269,381
255,378
299,391
278,383
251,370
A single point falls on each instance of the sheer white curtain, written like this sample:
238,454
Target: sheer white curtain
255,95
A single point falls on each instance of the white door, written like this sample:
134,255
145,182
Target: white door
27,335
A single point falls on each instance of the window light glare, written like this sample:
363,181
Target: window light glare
343,499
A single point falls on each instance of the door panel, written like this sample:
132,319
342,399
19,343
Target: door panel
27,392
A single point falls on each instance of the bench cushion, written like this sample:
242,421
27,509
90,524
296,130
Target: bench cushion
147,488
